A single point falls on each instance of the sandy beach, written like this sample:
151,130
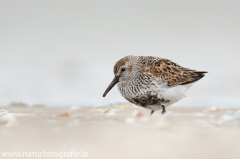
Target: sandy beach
122,131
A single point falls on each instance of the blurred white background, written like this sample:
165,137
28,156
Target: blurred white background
62,52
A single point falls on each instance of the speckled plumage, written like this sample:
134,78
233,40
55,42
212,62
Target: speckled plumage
152,82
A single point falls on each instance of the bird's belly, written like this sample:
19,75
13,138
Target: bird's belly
144,96
174,94
153,97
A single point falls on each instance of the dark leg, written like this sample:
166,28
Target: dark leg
163,109
152,112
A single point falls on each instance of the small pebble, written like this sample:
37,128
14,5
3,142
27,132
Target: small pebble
64,114
137,113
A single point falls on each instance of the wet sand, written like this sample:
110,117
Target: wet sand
123,131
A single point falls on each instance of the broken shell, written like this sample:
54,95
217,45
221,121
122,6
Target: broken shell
8,120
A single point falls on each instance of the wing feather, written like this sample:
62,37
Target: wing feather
171,72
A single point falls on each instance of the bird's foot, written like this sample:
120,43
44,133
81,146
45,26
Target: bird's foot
152,112
164,110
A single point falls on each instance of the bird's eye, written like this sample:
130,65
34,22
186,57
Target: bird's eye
123,69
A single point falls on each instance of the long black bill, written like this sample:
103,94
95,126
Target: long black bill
113,83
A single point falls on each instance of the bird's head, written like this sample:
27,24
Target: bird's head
123,71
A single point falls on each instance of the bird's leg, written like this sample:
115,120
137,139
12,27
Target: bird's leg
163,109
152,112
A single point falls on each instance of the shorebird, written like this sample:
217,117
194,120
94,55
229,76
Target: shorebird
152,82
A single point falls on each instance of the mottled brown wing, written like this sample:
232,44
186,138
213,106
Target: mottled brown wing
172,72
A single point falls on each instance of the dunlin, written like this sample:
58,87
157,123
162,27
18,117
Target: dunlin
151,82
